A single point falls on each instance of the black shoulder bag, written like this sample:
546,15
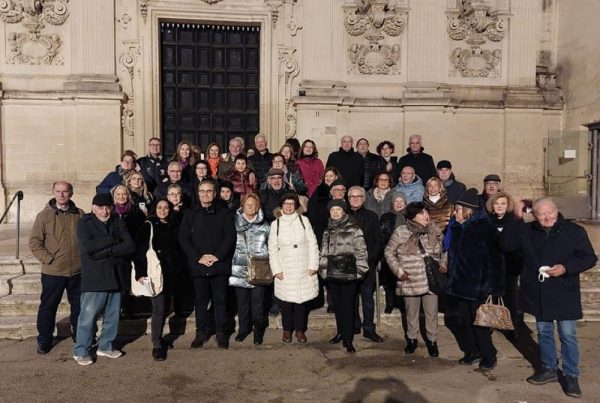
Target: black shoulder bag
436,280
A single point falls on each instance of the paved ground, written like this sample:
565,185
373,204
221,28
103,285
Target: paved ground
274,372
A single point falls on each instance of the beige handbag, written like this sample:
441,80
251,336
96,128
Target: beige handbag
493,316
259,269
153,285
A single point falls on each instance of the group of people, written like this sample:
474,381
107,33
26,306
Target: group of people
330,227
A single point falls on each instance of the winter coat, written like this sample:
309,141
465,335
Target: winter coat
373,164
154,170
350,164
317,210
414,191
138,199
439,211
476,263
412,265
165,241
226,164
105,249
270,199
394,172
343,238
188,193
208,230
133,219
111,180
311,169
421,162
513,261
454,189
294,181
293,251
379,207
261,164
566,243
251,236
389,222
241,181
53,239
368,222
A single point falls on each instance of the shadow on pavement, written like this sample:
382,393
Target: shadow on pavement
395,391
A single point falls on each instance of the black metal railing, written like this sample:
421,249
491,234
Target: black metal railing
18,196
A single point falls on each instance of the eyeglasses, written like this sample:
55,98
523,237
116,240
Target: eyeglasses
173,194
356,197
291,204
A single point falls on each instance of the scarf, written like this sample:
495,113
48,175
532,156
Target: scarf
380,194
214,165
121,209
416,230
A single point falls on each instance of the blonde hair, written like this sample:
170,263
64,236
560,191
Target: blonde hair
489,205
438,181
247,196
145,194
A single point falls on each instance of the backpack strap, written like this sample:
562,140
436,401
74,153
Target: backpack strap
278,227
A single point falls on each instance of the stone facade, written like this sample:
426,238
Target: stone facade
80,81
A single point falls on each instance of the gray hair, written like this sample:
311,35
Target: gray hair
543,200
417,137
359,188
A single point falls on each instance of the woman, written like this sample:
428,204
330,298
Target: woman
310,166
293,179
214,158
252,235
389,222
475,271
201,172
405,259
437,203
242,177
140,196
290,159
317,204
294,259
343,263
385,149
379,198
117,177
176,197
133,218
165,241
227,196
184,156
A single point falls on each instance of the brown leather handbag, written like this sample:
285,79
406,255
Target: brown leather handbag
259,269
495,316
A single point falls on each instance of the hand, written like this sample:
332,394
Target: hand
556,270
443,269
311,272
404,277
279,276
206,260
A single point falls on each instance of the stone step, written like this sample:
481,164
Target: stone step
5,286
26,305
10,265
26,284
591,275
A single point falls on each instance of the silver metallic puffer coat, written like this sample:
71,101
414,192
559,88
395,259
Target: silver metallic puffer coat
256,237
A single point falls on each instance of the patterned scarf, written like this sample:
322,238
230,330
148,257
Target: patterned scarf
416,230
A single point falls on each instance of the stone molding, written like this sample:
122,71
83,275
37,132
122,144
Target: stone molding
33,47
475,24
379,23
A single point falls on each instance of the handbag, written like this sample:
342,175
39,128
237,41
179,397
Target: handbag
436,280
259,269
154,283
493,316
341,267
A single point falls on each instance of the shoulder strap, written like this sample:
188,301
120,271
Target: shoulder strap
422,249
301,221
151,236
278,227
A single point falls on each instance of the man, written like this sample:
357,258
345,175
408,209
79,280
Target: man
207,235
555,252
369,224
349,163
411,185
53,241
453,187
491,186
236,147
261,160
174,177
373,163
104,244
271,195
153,166
416,158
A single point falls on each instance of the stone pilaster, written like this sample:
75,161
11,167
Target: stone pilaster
525,29
426,41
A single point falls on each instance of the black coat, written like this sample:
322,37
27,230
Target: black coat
350,164
476,263
369,224
317,210
421,162
154,170
566,243
186,189
374,164
389,222
454,189
105,248
270,199
208,231
513,261
261,164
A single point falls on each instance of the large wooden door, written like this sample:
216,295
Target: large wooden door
209,83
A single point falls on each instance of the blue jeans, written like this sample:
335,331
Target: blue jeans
569,351
92,305
53,288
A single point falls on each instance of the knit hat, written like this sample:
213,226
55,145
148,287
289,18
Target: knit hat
102,199
275,172
444,164
395,195
336,203
492,177
468,199
337,182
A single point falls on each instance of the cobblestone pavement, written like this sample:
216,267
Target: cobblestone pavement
277,372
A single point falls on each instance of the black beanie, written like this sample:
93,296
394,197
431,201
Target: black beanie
468,199
337,203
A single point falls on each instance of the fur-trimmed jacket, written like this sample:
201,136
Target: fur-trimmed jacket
343,237
440,211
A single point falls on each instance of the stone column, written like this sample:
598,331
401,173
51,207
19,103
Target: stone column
426,41
525,27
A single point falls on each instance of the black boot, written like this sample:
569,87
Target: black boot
432,348
336,339
411,346
350,347
222,340
259,335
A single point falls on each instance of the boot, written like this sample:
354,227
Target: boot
287,336
432,348
258,336
301,337
411,346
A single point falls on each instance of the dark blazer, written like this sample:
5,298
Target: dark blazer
104,249
208,231
566,243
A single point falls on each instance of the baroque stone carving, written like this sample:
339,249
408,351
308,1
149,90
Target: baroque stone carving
128,61
293,26
144,8
379,23
288,71
476,23
275,5
33,47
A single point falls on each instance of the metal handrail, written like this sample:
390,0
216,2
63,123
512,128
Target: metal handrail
19,197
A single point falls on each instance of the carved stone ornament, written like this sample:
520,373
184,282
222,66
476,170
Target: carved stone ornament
144,8
128,61
380,23
212,1
275,5
33,47
476,23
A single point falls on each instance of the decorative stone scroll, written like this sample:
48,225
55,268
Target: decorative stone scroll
476,24
275,5
33,47
128,61
380,24
288,71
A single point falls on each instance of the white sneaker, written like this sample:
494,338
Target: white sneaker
83,360
109,353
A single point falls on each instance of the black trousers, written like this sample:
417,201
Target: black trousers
294,316
160,310
474,339
52,292
365,289
344,303
250,303
204,289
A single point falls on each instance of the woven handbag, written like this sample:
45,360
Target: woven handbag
495,316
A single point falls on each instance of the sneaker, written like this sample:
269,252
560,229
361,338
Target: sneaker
572,386
544,376
83,360
109,353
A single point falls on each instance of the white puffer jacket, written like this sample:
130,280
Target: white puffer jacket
293,251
